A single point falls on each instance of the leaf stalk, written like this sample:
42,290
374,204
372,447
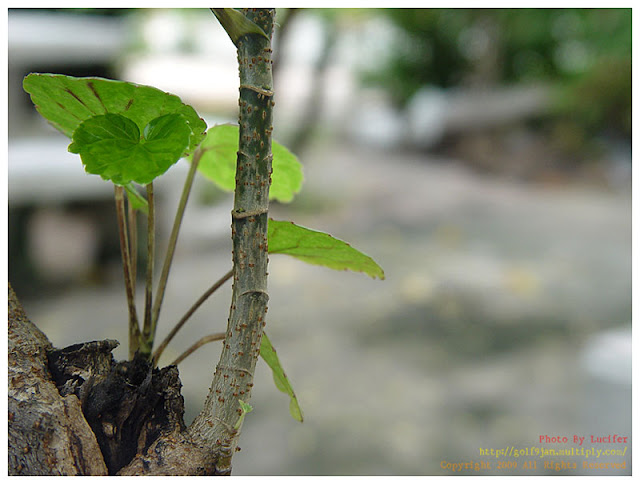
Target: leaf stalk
134,328
198,344
147,335
173,239
189,313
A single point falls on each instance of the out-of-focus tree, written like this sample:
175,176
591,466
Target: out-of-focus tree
585,51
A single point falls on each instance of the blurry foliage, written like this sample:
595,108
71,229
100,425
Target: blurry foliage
600,100
586,52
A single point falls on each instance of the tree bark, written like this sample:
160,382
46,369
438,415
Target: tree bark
48,434
76,412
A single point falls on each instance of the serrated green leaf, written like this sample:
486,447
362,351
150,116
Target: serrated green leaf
236,24
319,248
67,101
137,201
110,146
269,355
218,163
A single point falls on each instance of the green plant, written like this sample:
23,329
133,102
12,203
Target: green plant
130,135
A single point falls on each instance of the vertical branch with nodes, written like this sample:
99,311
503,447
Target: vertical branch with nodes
220,421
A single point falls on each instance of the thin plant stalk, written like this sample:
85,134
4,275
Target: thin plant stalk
189,313
173,239
133,243
201,342
134,329
151,253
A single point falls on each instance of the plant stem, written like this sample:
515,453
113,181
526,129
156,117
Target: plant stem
233,378
133,244
147,337
134,329
188,314
173,239
201,342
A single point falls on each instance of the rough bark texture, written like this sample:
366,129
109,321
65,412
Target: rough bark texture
233,378
173,455
76,411
48,434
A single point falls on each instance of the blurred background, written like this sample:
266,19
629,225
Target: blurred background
481,157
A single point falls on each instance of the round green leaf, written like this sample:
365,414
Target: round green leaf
287,178
110,146
67,101
218,163
220,151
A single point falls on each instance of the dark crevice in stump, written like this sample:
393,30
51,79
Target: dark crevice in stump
127,404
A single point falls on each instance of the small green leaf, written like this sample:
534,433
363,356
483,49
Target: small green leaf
67,101
245,409
236,24
137,201
218,163
270,356
110,146
319,248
